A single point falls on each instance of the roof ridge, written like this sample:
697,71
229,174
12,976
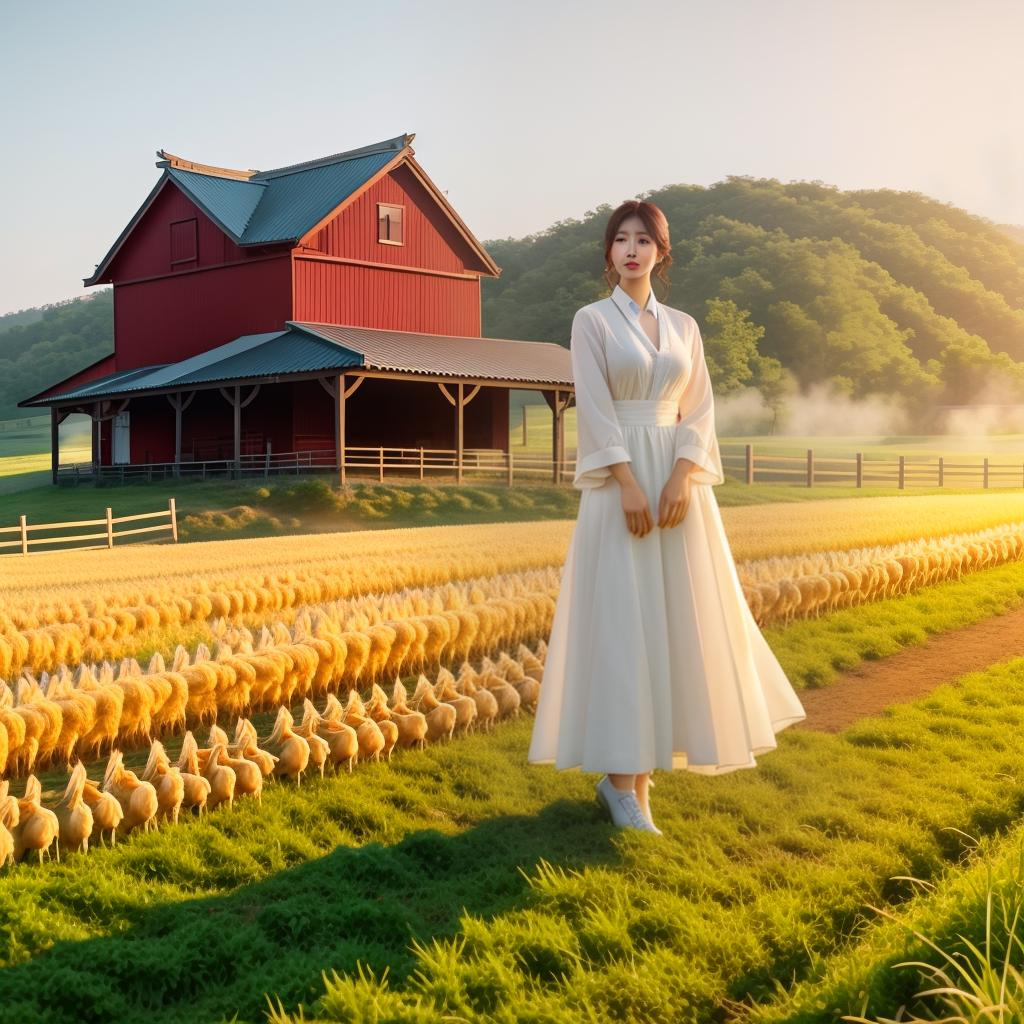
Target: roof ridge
181,164
397,143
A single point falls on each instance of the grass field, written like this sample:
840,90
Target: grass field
460,884
502,895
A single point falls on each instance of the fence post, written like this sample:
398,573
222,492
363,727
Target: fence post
903,470
421,462
23,523
382,463
749,456
510,470
860,469
524,426
810,467
266,464
942,469
110,528
985,473
174,519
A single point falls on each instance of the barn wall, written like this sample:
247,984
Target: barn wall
341,293
173,318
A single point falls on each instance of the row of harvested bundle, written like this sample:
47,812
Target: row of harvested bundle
371,562
88,711
114,637
225,770
782,588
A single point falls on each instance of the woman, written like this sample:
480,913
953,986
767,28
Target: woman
654,659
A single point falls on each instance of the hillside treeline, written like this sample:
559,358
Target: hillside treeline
67,338
874,290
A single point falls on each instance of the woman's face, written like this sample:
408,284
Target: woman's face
633,252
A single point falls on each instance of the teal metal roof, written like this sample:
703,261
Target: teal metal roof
227,201
262,207
251,355
294,202
311,348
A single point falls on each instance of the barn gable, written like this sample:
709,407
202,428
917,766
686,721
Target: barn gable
215,215
434,235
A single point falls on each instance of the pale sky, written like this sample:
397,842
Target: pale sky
525,113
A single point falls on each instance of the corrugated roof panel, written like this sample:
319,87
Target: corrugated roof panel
452,355
293,203
309,348
287,352
229,200
103,385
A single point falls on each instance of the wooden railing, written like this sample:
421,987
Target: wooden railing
739,463
24,542
898,471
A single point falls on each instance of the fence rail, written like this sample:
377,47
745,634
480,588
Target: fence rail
898,471
24,542
739,461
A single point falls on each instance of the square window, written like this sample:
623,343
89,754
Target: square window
389,223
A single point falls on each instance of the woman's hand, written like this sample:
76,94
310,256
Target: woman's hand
634,504
675,497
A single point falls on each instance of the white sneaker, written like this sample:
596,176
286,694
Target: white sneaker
623,807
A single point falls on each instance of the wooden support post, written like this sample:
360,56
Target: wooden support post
421,462
23,523
174,519
266,464
860,469
382,463
339,428
54,442
96,444
510,471
903,470
810,467
237,403
985,474
749,461
110,528
459,435
942,470
524,425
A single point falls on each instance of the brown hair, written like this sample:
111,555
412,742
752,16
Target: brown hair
656,226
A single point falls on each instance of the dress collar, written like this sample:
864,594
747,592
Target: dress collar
631,308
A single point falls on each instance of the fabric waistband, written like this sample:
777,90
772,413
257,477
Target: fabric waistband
646,411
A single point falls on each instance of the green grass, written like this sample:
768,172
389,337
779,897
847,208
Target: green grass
224,509
526,904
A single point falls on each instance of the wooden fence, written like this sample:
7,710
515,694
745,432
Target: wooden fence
24,542
494,465
898,471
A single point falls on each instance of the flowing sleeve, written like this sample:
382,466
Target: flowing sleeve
696,439
599,441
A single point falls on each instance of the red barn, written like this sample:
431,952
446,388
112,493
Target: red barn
303,312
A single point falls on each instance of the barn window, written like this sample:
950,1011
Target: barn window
389,223
184,242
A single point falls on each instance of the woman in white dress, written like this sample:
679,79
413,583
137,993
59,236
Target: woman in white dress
654,659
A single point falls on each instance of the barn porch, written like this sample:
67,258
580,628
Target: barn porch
332,398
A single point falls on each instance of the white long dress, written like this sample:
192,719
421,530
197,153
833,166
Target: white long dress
654,659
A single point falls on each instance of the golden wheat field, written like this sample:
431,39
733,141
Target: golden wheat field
428,554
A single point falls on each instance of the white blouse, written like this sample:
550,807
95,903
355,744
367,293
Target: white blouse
614,360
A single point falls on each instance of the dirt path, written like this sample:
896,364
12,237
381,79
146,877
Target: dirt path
912,672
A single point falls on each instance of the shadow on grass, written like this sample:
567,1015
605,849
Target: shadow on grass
210,958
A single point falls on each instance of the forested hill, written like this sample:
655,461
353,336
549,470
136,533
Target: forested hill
64,339
876,291
879,291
